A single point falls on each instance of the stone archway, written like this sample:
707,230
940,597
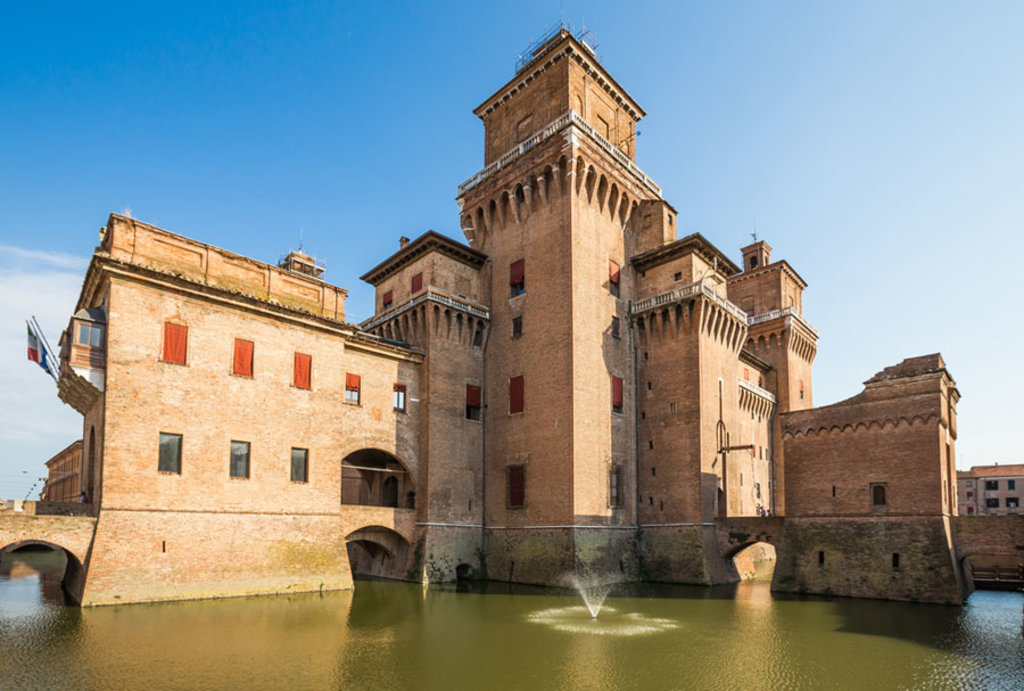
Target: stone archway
70,582
751,561
378,552
372,477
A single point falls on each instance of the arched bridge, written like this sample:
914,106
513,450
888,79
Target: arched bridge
71,534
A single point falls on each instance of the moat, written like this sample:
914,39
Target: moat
388,635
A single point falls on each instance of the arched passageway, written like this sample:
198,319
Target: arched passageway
753,561
371,477
378,552
56,570
993,571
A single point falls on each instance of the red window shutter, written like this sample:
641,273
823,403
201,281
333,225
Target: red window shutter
617,392
352,382
175,343
515,394
517,486
303,365
417,283
746,374
613,272
388,298
472,396
243,358
517,272
400,387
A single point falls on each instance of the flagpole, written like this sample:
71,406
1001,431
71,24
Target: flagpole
49,349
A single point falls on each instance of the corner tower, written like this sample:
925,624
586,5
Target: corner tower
556,210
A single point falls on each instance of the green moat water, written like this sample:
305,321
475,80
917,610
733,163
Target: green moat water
401,636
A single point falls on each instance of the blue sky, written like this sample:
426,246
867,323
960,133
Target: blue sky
877,146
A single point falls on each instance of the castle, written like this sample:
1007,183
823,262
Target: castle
573,389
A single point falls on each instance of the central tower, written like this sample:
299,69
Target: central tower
559,208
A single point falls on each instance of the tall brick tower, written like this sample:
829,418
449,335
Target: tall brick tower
554,211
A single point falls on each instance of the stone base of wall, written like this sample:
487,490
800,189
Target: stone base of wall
449,547
679,554
143,556
552,556
858,554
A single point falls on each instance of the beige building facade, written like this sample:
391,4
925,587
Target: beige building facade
991,490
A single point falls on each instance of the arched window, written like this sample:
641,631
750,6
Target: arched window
878,495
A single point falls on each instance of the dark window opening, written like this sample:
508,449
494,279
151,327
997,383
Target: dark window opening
833,490
650,445
1010,484
878,495
239,465
614,480
678,276
613,278
992,503
478,337
517,278
615,328
389,492
300,465
617,395
517,327
473,402
170,453
821,558
991,484
896,560
1013,502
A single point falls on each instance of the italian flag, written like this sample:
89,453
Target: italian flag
35,349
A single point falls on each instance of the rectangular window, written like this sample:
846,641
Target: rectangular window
970,510
615,328
970,495
677,276
613,278
517,327
517,278
417,283
1011,484
614,493
303,369
1012,502
992,503
516,486
516,391
387,300
991,484
398,398
90,335
617,395
472,402
243,358
970,483
170,453
300,465
239,459
175,343
352,388
896,560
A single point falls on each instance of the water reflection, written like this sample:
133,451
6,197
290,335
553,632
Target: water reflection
401,636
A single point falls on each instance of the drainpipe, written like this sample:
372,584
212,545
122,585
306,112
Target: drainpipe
484,416
636,437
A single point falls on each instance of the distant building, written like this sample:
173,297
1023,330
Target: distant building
990,490
63,477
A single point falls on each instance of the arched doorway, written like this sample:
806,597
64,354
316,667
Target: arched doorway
371,477
378,552
993,571
56,570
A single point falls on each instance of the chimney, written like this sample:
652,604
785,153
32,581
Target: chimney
403,242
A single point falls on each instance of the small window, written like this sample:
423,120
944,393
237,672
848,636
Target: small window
672,407
90,335
615,328
614,494
175,343
300,465
1011,484
387,300
878,495
517,278
896,561
617,395
516,486
991,484
970,483
239,459
243,358
677,276
473,402
613,278
821,558
970,495
417,283
516,394
517,327
753,262
970,510
398,398
992,502
801,391
170,453
1013,502
352,385
303,368
478,337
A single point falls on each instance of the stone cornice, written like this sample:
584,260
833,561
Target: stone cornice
431,241
431,294
694,243
781,265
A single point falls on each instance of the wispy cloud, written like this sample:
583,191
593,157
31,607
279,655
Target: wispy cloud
60,260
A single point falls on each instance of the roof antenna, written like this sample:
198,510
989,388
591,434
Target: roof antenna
300,239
